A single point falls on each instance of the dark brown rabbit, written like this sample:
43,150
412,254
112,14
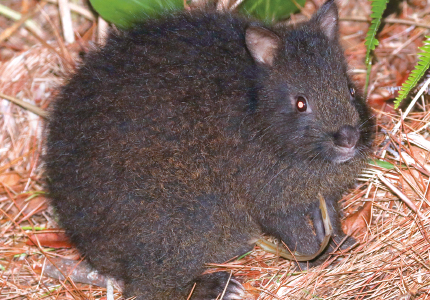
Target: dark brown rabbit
185,138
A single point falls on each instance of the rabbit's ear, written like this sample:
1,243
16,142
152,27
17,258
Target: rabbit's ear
327,19
262,44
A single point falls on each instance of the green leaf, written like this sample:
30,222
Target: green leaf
123,13
382,164
244,255
271,10
416,74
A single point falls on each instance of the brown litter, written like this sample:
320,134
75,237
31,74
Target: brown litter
388,210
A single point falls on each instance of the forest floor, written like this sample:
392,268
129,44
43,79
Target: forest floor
387,212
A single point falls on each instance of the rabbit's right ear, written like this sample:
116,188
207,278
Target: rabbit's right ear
327,19
262,44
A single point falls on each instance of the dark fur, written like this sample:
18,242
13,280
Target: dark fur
171,147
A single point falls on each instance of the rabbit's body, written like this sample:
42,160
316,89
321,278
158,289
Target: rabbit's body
180,142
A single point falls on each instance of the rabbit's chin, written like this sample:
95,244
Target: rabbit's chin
337,155
342,154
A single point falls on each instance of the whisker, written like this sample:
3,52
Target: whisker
364,122
271,179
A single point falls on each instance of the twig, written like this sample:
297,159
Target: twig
192,290
387,20
66,21
102,31
236,4
408,42
11,14
65,53
109,289
30,26
403,116
222,5
226,285
34,109
78,9
402,196
42,41
9,31
411,105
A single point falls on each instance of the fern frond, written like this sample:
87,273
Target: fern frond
378,8
415,76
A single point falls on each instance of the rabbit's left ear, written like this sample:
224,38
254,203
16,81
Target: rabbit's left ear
262,44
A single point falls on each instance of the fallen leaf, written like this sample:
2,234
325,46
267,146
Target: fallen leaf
379,97
420,155
50,239
31,204
28,205
10,179
358,221
251,291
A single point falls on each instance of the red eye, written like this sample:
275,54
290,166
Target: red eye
301,104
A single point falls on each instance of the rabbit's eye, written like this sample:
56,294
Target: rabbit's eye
301,104
352,92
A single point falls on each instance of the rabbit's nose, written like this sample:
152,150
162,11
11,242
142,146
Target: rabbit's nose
346,137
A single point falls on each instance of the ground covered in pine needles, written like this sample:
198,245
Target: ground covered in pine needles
388,212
